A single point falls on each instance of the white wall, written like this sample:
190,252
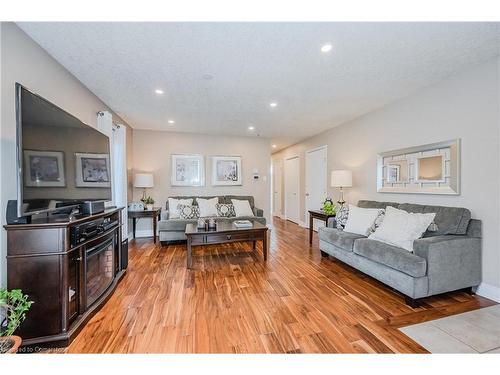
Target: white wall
464,106
152,150
24,61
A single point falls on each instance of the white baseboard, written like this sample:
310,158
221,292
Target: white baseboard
142,234
489,291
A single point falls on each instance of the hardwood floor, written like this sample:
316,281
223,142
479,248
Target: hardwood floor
234,302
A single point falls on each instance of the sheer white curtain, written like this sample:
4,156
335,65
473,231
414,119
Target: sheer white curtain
117,135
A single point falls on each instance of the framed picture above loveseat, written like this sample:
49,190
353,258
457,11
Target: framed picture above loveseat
226,170
187,170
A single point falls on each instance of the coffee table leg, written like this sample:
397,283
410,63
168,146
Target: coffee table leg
254,245
264,245
189,253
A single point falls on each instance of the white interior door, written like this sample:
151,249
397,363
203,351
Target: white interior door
277,187
316,182
292,189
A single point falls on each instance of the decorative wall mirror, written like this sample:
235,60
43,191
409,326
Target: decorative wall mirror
430,169
397,171
427,169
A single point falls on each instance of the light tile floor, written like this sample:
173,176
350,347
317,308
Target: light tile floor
472,332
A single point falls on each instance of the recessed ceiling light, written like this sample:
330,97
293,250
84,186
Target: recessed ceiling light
208,77
171,121
273,104
159,91
274,146
326,47
251,127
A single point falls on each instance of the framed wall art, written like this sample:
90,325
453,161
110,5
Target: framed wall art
187,170
226,170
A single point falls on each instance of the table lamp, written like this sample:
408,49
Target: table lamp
144,181
341,179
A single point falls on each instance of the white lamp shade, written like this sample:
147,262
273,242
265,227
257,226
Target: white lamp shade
143,180
341,178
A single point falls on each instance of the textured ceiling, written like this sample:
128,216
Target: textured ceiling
252,64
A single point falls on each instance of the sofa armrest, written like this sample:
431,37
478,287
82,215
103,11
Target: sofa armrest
258,212
164,215
453,262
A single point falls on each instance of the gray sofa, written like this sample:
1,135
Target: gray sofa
444,260
174,229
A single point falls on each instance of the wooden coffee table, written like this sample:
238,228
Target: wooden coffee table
224,233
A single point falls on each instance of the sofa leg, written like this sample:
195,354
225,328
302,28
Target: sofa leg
324,254
468,291
413,303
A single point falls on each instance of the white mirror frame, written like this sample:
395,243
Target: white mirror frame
423,187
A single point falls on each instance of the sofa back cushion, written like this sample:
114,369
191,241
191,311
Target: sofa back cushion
222,198
193,197
249,198
449,220
375,204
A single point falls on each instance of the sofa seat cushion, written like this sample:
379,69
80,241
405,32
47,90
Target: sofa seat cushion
391,256
339,238
175,225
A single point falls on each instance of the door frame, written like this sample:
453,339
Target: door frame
324,147
285,183
275,172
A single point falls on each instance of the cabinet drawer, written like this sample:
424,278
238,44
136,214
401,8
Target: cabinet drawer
229,237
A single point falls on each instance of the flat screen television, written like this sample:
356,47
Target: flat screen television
60,160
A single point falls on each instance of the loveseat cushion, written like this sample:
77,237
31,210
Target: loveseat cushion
193,197
228,199
391,256
339,238
449,220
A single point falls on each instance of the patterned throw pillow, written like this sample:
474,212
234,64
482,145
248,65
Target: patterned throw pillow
342,215
225,210
377,222
188,212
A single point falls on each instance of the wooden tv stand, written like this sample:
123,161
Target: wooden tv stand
68,283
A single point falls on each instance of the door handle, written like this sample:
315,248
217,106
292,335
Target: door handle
307,194
228,236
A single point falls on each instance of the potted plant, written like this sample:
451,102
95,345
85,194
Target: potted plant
329,207
13,307
148,202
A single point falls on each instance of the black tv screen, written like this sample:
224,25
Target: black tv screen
61,161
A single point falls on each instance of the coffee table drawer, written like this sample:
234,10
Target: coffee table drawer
198,240
224,237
